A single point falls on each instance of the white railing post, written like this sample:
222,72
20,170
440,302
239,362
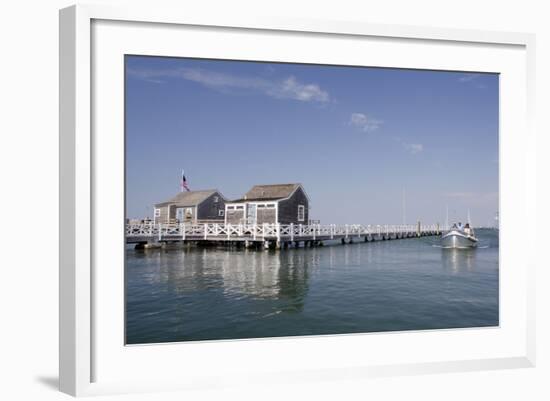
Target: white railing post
290,231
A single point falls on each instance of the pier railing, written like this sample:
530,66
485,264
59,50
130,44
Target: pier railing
279,232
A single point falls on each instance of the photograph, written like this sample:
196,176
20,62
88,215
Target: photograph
270,199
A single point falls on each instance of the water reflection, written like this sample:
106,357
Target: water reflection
250,274
208,293
457,260
269,274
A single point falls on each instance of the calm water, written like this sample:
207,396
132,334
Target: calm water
203,294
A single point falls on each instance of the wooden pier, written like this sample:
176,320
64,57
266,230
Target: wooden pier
276,236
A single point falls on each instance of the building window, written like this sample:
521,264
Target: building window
221,213
157,212
230,207
301,212
216,199
239,207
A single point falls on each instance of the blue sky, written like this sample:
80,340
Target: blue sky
357,138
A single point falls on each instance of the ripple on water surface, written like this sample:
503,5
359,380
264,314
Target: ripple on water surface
204,294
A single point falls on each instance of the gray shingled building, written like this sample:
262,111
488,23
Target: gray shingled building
192,207
278,203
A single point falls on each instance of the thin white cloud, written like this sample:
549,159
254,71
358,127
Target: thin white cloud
460,195
367,123
364,122
293,89
413,148
468,77
269,69
472,196
288,88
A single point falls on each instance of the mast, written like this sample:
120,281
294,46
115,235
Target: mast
403,206
447,218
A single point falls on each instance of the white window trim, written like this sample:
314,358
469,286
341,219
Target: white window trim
234,206
301,208
221,213
265,204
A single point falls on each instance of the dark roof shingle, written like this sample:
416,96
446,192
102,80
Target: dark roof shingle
189,198
270,192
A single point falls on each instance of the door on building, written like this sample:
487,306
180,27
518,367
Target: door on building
184,214
251,214
180,214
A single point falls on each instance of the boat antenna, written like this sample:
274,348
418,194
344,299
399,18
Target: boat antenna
469,222
447,218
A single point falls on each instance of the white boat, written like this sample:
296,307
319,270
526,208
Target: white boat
459,237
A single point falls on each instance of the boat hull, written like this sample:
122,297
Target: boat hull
455,239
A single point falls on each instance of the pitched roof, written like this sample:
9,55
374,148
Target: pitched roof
189,198
270,192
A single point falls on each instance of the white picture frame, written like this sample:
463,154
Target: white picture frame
84,348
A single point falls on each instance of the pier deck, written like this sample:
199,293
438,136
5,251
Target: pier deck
272,235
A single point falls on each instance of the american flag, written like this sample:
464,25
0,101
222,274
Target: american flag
184,182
